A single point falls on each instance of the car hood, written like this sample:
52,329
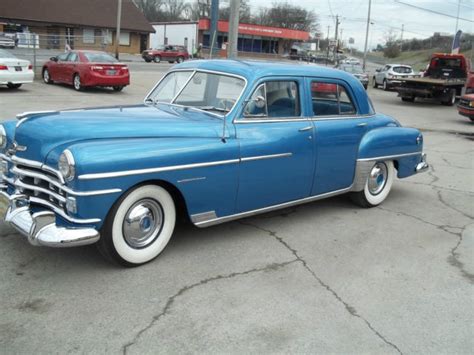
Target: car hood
43,132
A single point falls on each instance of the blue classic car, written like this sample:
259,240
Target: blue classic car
215,140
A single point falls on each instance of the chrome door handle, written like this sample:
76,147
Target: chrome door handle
305,129
363,124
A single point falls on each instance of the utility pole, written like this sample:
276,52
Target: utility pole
117,34
335,38
327,49
233,29
401,38
214,21
366,36
457,23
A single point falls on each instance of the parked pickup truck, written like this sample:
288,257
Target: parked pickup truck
466,103
443,80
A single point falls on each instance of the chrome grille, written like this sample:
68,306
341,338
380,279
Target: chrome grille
41,184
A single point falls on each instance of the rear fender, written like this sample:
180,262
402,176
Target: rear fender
402,145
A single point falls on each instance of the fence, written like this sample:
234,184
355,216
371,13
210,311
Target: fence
39,48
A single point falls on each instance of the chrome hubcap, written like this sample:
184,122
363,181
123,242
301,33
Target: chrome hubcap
77,82
377,178
143,223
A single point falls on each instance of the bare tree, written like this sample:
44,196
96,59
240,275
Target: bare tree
244,12
392,48
150,8
289,16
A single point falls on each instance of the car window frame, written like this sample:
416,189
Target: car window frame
349,93
260,119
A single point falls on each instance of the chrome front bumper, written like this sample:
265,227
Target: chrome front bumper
422,165
40,227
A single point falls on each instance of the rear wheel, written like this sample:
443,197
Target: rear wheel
378,185
118,88
13,86
157,59
450,98
47,77
139,226
76,81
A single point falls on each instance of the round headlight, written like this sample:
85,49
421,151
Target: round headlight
3,138
67,166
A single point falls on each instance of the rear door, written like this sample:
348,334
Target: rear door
338,131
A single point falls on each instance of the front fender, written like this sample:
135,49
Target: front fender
123,164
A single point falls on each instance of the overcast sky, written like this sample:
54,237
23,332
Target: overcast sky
386,14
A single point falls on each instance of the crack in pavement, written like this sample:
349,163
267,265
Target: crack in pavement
453,257
350,309
444,202
437,187
183,290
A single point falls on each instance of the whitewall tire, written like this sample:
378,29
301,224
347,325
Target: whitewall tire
139,226
377,186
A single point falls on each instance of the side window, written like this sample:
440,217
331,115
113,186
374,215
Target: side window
275,99
386,68
62,57
330,99
72,57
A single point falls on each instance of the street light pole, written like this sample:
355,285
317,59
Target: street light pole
366,36
117,34
233,29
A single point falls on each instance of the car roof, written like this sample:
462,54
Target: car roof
255,69
400,65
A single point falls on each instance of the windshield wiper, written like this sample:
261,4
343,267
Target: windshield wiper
213,108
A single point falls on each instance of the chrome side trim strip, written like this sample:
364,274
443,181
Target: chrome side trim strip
271,156
191,179
61,213
390,156
18,171
156,170
214,221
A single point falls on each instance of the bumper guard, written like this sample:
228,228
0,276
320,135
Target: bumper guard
422,165
40,227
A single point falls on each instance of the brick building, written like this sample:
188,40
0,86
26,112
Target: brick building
84,24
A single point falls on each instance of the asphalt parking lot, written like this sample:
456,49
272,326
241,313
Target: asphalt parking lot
326,277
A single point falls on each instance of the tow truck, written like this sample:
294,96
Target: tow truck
443,80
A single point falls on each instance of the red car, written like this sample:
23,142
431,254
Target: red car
170,54
86,69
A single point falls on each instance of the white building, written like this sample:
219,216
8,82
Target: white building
175,33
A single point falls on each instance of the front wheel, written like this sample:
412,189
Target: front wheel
378,185
118,88
408,98
47,77
157,59
374,83
139,226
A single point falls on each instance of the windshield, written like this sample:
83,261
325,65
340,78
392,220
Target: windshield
100,57
6,54
217,93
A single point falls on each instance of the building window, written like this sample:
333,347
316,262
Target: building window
88,36
124,38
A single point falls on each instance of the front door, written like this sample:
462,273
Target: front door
276,146
339,129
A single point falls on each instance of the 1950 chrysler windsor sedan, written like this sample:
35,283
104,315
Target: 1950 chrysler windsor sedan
220,139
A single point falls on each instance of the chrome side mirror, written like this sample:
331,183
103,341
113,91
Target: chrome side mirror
259,101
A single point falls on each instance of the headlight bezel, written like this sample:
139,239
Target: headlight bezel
67,165
3,137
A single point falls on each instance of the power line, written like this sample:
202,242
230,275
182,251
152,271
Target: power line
432,11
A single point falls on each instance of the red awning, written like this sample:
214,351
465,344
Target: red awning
257,30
